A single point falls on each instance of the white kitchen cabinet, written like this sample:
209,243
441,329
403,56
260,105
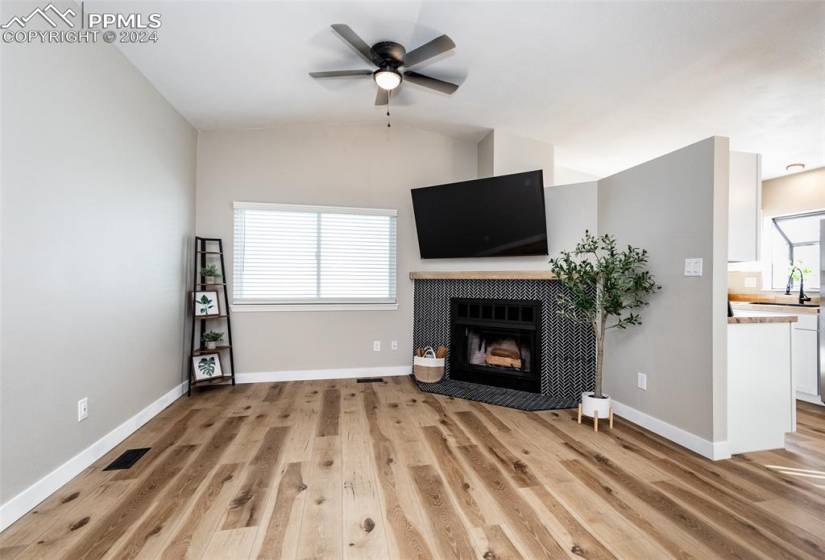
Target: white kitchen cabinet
744,214
804,351
760,398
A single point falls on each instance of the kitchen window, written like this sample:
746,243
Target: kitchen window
313,257
794,239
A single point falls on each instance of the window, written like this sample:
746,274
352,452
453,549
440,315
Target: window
794,239
290,254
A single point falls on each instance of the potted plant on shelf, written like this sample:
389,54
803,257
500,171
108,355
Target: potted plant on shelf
605,286
211,274
212,338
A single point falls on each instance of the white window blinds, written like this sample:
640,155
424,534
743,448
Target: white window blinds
291,254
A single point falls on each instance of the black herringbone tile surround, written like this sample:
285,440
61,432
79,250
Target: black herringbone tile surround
567,349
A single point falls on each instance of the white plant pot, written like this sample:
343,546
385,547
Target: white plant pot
211,279
211,345
591,405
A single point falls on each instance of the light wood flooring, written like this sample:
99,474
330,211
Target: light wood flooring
335,469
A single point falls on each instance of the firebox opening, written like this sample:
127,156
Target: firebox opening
496,342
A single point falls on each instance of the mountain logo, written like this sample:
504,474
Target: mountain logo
50,13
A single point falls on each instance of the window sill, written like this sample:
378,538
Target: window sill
267,308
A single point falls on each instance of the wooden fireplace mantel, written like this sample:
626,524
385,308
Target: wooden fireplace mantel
484,275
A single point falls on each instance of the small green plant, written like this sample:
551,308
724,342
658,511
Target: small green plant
211,270
207,366
603,283
213,336
797,270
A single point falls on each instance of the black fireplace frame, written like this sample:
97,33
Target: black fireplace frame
507,316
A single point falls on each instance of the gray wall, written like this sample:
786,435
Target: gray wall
571,210
98,181
675,207
335,165
486,154
350,165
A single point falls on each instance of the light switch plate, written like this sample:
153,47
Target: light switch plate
376,345
641,381
82,409
693,267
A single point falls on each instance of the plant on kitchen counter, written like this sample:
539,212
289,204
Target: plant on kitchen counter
605,289
799,269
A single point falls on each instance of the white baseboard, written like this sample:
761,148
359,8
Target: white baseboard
308,374
712,450
808,398
26,500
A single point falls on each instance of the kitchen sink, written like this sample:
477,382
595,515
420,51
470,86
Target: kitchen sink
784,304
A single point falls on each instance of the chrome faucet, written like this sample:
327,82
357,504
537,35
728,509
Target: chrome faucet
802,297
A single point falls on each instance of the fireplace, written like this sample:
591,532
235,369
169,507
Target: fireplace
496,342
561,353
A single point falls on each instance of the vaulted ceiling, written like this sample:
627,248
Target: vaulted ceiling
609,84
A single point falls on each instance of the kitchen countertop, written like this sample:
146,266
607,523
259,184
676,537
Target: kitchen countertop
778,307
777,297
483,275
751,319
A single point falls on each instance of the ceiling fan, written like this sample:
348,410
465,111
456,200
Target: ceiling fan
393,63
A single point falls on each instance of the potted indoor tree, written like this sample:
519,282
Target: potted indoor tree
212,338
211,274
605,287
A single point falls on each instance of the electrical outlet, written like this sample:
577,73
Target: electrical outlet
394,345
641,382
82,408
376,345
750,281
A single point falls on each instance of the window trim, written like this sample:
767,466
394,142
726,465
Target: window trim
273,206
318,304
281,307
776,220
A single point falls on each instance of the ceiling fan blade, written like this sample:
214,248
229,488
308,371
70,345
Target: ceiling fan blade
428,50
341,74
382,97
356,42
432,83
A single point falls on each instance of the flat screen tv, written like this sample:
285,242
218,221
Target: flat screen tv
498,216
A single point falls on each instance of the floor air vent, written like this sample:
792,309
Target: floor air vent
369,380
127,459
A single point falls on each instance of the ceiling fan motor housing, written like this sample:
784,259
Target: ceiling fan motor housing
389,57
391,53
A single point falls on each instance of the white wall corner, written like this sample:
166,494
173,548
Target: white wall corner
503,153
26,500
721,203
486,147
565,175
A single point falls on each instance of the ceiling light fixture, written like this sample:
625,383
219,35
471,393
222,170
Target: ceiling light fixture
387,78
790,167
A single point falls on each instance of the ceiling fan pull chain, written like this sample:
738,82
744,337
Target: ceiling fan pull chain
389,96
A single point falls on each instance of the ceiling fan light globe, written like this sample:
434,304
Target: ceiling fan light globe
387,79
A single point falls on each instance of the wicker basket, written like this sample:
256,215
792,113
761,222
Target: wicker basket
428,368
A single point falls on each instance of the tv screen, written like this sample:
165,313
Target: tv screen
493,217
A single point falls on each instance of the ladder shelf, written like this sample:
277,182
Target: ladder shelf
209,251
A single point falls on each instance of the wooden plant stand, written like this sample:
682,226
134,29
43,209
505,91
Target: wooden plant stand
210,247
596,418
